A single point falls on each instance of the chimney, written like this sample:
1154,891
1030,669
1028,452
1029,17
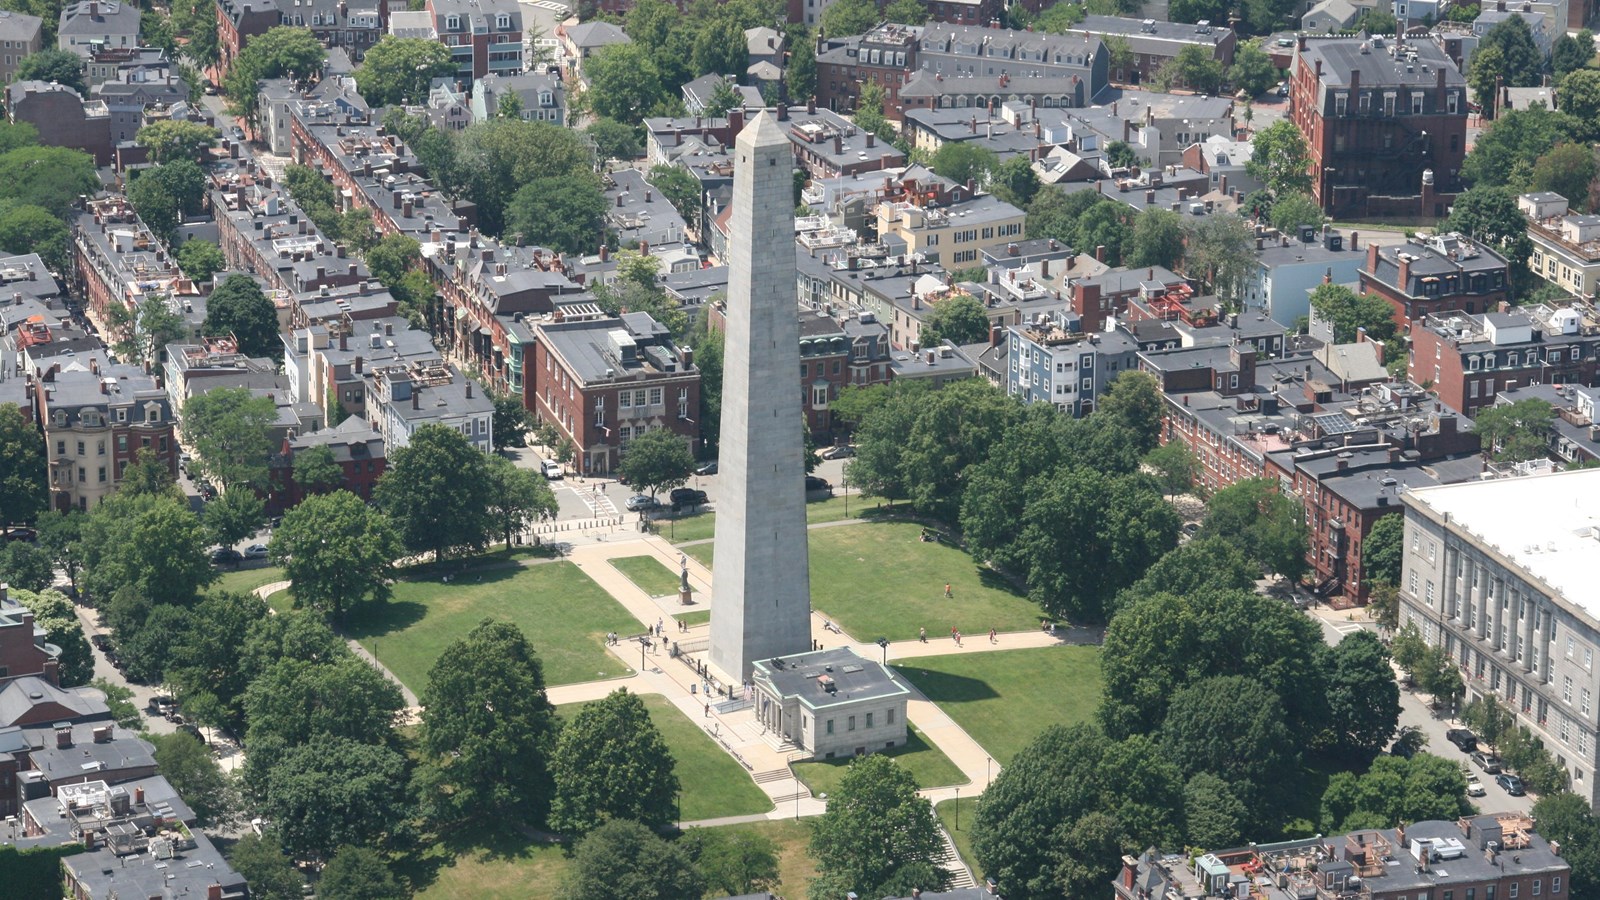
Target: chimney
605,253
996,335
416,399
619,201
1319,68
872,140
1044,268
469,388
358,364
644,248
1361,334
214,891
322,273
407,206
1100,253
102,734
63,737
838,145
1405,273
1372,257
649,196
344,342
1130,866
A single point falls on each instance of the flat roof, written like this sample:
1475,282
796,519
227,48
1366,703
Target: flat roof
855,678
1548,525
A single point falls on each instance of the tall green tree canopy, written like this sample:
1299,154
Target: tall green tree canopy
961,161
401,70
1505,152
657,461
847,17
436,492
624,84
238,307
24,487
1515,432
1383,549
230,431
337,551
1157,238
877,836
1363,699
1349,311
174,139
1281,160
333,792
150,543
564,213
611,762
32,229
959,319
623,860
60,66
1257,518
1568,169
49,177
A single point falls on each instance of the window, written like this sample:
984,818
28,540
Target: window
1411,583
1583,705
81,453
1451,102
502,22
1339,104
1511,890
819,396
102,474
1566,688
1416,104
1430,592
830,727
61,448
452,23
1588,658
869,720
1538,885
888,718
852,725
625,400
1555,884
1569,637
655,396
600,411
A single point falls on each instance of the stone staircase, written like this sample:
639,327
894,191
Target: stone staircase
950,861
772,775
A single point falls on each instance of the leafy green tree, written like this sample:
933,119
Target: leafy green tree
53,612
847,17
31,229
200,260
233,516
49,177
392,257
624,84
1134,401
1291,211
801,75
723,98
1568,170
338,552
906,12
1363,699
1521,63
149,543
623,860
59,66
566,214
1213,812
1516,432
1572,52
119,699
1054,214
1580,100
518,497
260,859
1505,153
283,51
1203,564
1349,311
1106,224
1222,250
733,863
1194,67
296,703
487,729
202,663
17,134
1157,238
230,431
401,70
869,114
149,474
657,461
961,161
1383,549
436,492
1396,790
1233,727
59,534
24,487
494,159
883,416
1174,467
511,422
359,873
1121,155
720,48
611,762
170,140
1252,71
332,793
238,307
316,471
1280,159
960,319
1015,182
1059,18
189,765
1568,819
1269,527
614,140
877,836
953,428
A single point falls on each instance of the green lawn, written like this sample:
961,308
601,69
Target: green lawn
712,784
243,581
563,612
962,835
704,552
1006,698
650,574
926,763
796,868
695,617
882,580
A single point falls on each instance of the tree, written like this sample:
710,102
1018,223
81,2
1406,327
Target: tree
49,177
566,214
1580,100
1504,154
233,516
847,17
1291,211
1280,159
960,319
58,536
31,229
1567,818
487,728
1395,790
24,487
283,51
1134,401
611,762
1213,812
359,873
1253,71
53,612
1363,699
1015,182
1520,62
1568,170
1157,238
316,471
723,98
511,422
1571,52
906,12
1121,154
399,70
149,543
189,765
51,65
1174,467
170,140
119,699
491,160
518,497
801,75
203,658
260,859
624,83
1516,432
1490,214
332,793
883,416
1105,224
679,188
657,461
436,492
623,860
1195,68
230,431
17,134
951,429
1383,549
200,260
1054,214
877,836
295,703
869,114
720,48
961,161
1222,250
337,551
614,140
1349,312
1233,727
1269,527
733,863
238,307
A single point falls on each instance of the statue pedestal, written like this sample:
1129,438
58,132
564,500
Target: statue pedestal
686,597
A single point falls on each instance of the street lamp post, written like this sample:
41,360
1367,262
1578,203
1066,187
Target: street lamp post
883,644
845,481
641,654
986,779
958,809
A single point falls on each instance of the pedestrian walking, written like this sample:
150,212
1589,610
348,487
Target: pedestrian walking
958,638
947,594
708,711
991,635
922,635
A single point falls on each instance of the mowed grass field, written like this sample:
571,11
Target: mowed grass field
1006,698
650,574
561,610
926,763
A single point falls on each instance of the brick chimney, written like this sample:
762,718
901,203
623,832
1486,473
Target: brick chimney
1372,258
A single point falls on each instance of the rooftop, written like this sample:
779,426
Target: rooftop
829,677
1381,61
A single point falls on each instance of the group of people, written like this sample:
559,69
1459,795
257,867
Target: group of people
955,635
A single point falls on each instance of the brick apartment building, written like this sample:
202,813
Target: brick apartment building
63,117
601,383
23,651
484,36
1155,43
1385,122
95,423
237,22
1426,275
1469,359
357,450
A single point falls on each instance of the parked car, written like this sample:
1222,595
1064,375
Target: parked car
551,470
192,731
841,451
101,642
1511,783
687,497
709,468
28,535
255,551
1464,740
814,483
640,502
226,555
1474,786
236,132
1488,762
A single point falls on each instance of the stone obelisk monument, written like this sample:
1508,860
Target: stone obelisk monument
761,592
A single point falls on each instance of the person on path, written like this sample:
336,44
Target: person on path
958,638
708,711
991,635
922,635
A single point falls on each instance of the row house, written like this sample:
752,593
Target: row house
602,382
351,303
88,26
117,63
952,236
827,145
23,650
1574,432
237,22
1470,359
1049,359
541,96
402,399
357,450
117,262
337,23
96,422
1099,299
215,363
22,36
484,36
641,217
134,91
1152,44
264,232
329,364
63,117
1566,246
1432,274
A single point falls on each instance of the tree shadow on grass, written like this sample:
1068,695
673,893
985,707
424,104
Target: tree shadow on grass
379,619
491,844
996,580
943,687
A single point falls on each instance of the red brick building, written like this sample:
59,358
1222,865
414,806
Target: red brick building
357,450
23,650
1469,359
1432,274
237,22
1385,122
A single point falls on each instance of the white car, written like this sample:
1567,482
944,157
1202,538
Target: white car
255,551
550,469
1474,786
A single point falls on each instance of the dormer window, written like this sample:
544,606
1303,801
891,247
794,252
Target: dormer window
502,22
452,23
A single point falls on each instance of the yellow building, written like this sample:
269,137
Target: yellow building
953,236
